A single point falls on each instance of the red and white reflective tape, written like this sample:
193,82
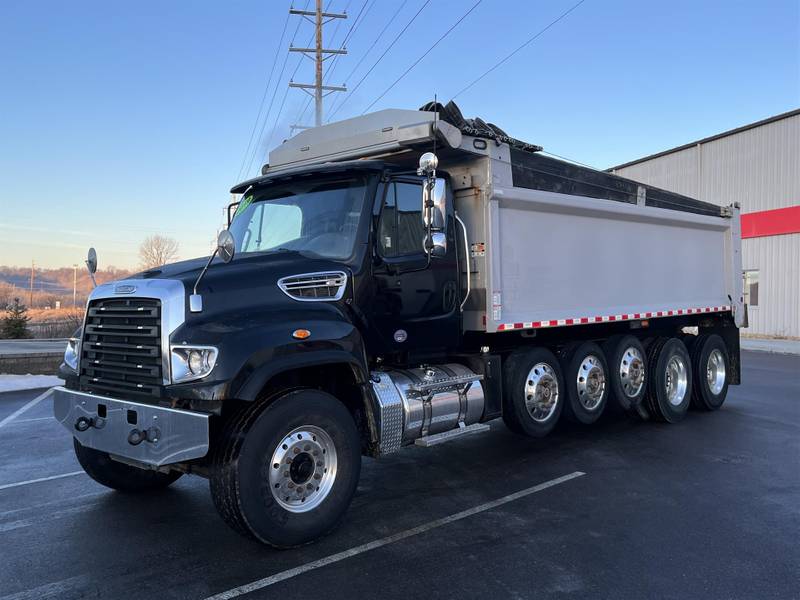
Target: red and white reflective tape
611,318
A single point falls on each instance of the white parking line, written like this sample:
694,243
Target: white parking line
21,410
39,480
50,418
339,556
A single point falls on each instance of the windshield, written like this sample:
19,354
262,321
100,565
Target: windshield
318,218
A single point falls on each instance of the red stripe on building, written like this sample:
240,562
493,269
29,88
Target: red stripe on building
778,221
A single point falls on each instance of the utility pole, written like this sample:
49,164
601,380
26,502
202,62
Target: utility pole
320,54
30,299
75,285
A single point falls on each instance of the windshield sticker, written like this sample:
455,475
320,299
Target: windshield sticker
243,205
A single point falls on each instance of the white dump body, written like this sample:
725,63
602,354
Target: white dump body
559,260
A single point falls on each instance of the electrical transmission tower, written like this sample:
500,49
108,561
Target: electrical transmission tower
320,54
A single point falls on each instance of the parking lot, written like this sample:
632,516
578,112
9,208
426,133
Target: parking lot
708,508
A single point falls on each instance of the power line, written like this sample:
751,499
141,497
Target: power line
263,98
274,93
380,58
424,54
320,54
335,59
572,160
285,94
529,41
375,42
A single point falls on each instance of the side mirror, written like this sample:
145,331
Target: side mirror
434,214
226,246
434,207
436,244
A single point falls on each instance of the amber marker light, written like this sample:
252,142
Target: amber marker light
301,334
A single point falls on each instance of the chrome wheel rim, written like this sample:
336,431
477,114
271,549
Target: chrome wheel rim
541,392
303,469
591,382
631,372
715,372
677,380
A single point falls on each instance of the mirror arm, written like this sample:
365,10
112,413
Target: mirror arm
94,281
203,272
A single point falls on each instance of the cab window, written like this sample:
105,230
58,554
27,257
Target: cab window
400,229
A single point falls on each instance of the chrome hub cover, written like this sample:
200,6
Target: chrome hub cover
591,382
303,469
715,372
631,372
677,379
541,392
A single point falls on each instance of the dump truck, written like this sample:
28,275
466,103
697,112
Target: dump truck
400,278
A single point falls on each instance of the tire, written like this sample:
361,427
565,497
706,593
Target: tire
669,390
528,375
627,359
119,476
302,447
711,371
585,383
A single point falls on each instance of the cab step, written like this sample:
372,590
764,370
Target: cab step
446,436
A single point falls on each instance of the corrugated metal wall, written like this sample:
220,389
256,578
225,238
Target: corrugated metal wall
760,169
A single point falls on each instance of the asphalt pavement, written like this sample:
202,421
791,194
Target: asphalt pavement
708,508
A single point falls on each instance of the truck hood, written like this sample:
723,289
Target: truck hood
246,289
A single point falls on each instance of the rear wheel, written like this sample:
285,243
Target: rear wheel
585,382
286,474
534,392
711,370
119,476
670,380
627,377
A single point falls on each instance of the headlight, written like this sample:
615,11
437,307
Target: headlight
192,362
73,353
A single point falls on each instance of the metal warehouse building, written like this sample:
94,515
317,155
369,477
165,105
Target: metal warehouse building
758,166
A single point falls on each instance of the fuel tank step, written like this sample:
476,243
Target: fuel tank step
446,436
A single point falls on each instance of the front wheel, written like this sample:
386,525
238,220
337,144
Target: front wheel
286,474
118,476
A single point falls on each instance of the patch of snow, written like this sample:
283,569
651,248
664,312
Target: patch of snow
15,383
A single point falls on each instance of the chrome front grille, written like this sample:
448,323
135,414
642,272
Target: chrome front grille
121,347
312,287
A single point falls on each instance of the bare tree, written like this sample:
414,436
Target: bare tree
157,250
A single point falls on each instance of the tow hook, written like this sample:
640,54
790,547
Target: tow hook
84,423
137,436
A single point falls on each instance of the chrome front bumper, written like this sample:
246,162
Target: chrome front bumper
147,434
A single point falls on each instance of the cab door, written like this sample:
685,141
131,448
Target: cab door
416,307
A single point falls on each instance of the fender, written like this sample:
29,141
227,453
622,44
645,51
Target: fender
250,381
332,342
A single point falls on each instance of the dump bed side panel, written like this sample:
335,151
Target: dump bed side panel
559,259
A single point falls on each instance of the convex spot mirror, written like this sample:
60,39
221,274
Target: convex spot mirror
91,261
226,246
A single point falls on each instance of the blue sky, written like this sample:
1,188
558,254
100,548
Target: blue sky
123,119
